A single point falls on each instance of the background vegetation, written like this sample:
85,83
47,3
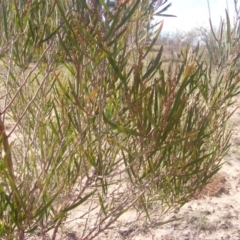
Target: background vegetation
91,118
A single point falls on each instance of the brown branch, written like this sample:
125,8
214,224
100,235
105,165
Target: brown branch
7,150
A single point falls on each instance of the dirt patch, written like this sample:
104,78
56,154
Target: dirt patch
215,188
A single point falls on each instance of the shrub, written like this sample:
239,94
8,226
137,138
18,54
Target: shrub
91,118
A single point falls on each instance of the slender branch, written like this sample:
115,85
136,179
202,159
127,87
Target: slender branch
6,148
8,76
25,81
30,102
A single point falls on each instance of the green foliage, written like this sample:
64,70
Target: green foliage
99,122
